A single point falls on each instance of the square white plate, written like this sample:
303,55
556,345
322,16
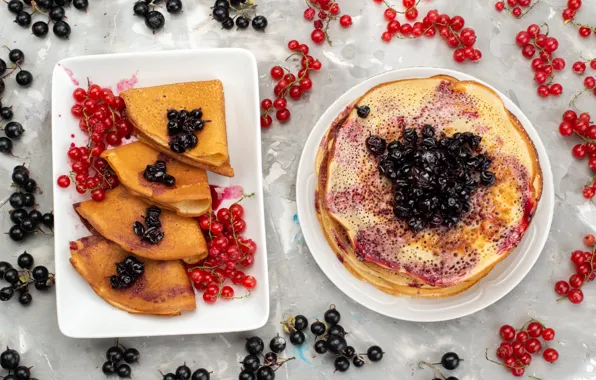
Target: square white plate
81,313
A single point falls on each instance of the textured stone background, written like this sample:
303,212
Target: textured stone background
298,285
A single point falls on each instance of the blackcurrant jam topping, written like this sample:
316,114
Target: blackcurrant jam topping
182,126
433,178
363,111
127,272
151,231
157,173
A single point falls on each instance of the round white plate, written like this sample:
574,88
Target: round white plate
500,281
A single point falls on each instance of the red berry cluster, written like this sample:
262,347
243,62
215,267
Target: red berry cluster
290,84
518,8
102,116
517,347
533,40
579,67
450,28
324,11
229,254
585,271
410,12
569,16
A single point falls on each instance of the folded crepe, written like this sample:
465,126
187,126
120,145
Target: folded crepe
113,219
163,289
147,110
190,196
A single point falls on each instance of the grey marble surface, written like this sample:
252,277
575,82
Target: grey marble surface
297,284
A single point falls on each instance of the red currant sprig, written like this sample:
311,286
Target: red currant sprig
518,8
410,12
533,40
569,14
451,29
585,271
517,347
289,84
325,12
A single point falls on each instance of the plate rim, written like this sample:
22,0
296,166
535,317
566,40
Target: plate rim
264,283
304,172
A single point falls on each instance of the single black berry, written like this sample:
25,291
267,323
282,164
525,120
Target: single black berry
25,260
337,330
2,85
259,23
11,276
220,13
13,129
277,344
349,351
318,328
2,66
251,363
36,216
363,111
131,355
376,145
6,113
25,298
374,353
300,322
22,373
174,6
450,361
265,373
247,375
5,145
30,186
155,20
221,3
242,22
29,199
297,338
342,364
9,359
48,219
169,376
57,13
20,177
320,347
80,4
23,19
24,77
332,317
44,4
16,56
41,273
228,23
61,29
141,8
42,286
16,233
4,266
254,345
183,372
123,370
6,293
15,6
108,368
358,361
270,358
200,374
17,200
336,344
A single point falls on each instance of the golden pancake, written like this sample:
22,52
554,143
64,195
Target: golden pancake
113,219
163,289
354,202
190,196
147,110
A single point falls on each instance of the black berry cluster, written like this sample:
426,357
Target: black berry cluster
53,10
433,177
152,233
183,372
10,360
127,272
182,126
23,77
154,19
115,355
20,280
239,13
12,129
330,337
157,173
25,222
252,368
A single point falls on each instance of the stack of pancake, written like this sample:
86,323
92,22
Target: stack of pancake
164,288
354,202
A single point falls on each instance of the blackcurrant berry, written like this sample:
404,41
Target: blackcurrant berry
29,199
61,29
123,370
349,352
297,338
242,22
183,372
6,113
363,111
337,330
300,322
36,216
246,375
15,6
131,355
254,345
251,363
80,4
336,344
6,294
16,233
342,364
40,273
277,344
358,361
332,317
4,266
169,376
174,6
16,56
220,13
9,359
24,77
23,19
25,260
40,29
11,276
449,361
44,4
155,20
20,177
13,129
17,200
42,286
25,299
140,8
374,353
228,23
30,186
320,347
318,328
57,13
265,373
2,66
22,373
48,219
108,368
200,374
259,23
270,358
5,144
221,3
